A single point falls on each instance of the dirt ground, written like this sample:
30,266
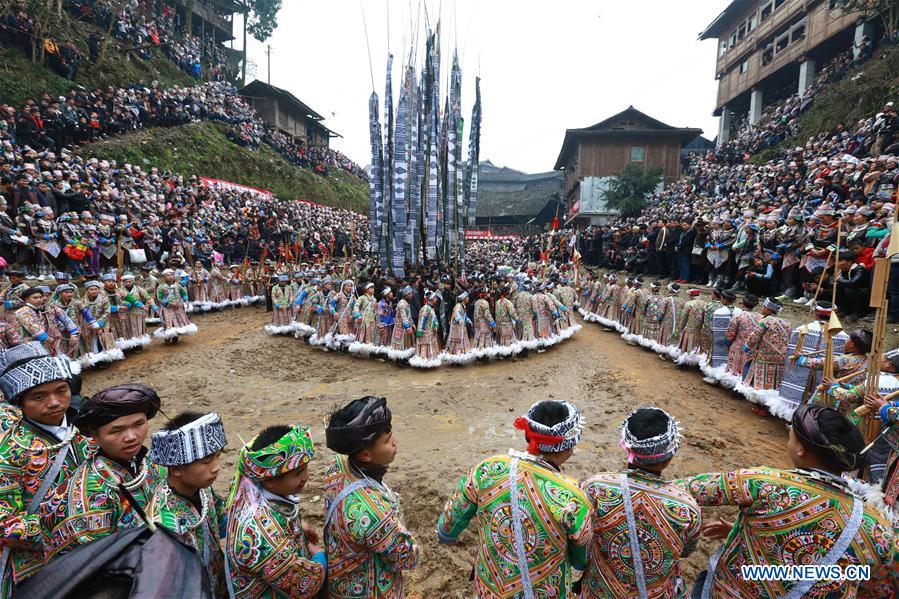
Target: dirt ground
446,420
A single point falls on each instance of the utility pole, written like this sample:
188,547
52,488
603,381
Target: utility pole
268,53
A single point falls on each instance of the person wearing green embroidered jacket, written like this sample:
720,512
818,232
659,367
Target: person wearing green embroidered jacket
799,516
190,446
39,448
369,548
529,540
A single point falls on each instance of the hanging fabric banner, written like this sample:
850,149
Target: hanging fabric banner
375,180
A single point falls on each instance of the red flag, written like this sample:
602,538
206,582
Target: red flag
555,223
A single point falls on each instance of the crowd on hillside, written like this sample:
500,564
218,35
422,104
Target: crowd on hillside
63,212
82,116
772,228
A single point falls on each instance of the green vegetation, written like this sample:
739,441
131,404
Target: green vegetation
627,191
20,78
204,150
861,94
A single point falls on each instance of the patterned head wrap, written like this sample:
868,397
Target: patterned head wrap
28,365
551,439
287,453
115,402
772,304
653,450
189,443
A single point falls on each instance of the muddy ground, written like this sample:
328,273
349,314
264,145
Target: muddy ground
446,420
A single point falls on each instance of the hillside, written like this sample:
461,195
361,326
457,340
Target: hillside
861,94
204,150
21,79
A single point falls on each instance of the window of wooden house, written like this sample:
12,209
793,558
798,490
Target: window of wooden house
741,31
733,39
781,43
722,48
744,66
798,32
638,153
767,9
768,53
779,3
750,24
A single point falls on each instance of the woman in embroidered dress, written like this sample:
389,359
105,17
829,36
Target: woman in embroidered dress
427,344
364,316
457,342
89,505
172,299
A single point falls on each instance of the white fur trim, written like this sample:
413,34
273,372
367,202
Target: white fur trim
133,342
173,332
278,330
418,362
301,329
110,355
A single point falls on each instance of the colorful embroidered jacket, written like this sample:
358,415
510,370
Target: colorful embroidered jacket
267,552
97,309
281,296
89,506
24,463
556,526
793,517
178,514
11,297
168,294
367,543
668,524
128,298
45,322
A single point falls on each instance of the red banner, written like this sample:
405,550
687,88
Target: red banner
235,187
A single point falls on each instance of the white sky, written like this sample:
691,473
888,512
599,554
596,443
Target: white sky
545,66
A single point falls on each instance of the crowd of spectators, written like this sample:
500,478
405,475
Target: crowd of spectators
63,212
81,116
773,228
139,27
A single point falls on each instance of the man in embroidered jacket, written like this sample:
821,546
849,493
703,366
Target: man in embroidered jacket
548,509
368,545
666,519
89,505
766,347
271,553
11,296
739,330
189,447
35,433
44,322
788,515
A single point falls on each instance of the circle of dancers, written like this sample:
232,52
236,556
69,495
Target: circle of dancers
487,316
106,317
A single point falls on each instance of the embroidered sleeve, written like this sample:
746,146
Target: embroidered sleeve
459,509
28,322
578,527
721,488
16,526
381,530
273,556
732,328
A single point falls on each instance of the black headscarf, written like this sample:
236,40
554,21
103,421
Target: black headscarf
844,453
115,402
355,426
